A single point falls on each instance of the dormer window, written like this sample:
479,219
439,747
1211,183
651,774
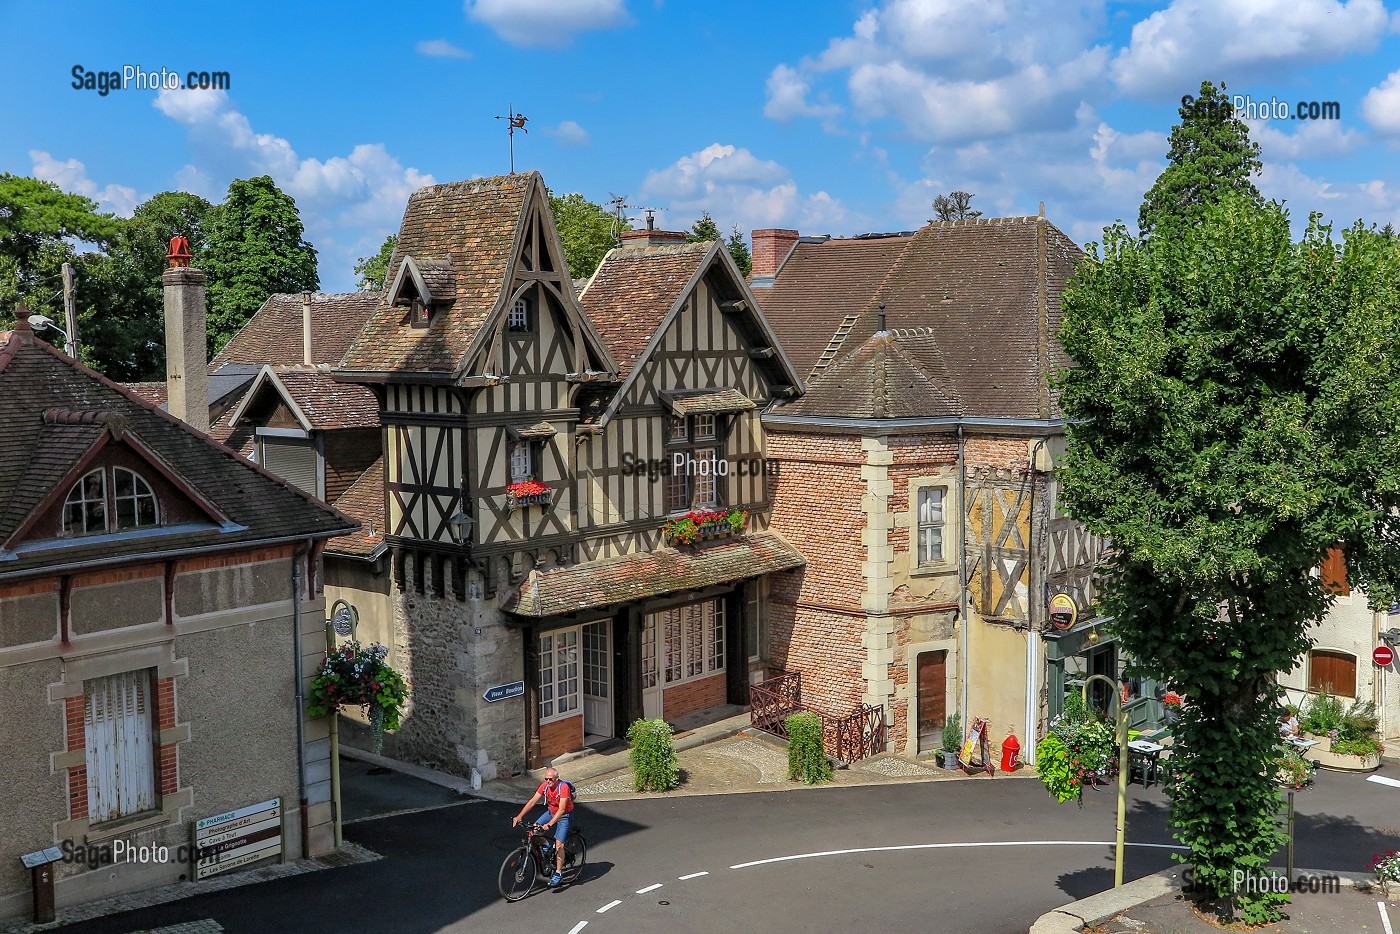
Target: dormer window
519,318
110,500
420,314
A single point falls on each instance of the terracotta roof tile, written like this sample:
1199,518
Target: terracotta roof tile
363,502
274,333
637,577
894,374
327,404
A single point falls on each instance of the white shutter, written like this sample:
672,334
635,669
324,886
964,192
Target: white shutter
120,748
292,461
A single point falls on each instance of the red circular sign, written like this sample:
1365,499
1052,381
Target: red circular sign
1383,655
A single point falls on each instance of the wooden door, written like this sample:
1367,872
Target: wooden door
933,705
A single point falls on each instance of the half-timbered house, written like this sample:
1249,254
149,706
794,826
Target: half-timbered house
528,440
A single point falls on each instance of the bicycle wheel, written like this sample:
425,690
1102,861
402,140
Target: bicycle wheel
517,875
575,854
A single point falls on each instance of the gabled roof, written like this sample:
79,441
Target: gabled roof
363,502
433,280
894,374
471,224
274,333
56,410
987,290
318,402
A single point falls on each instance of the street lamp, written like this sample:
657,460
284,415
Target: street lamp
460,527
343,620
1122,737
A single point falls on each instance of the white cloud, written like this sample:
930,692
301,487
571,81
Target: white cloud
1172,49
1381,106
569,133
1374,201
954,71
1311,139
546,23
737,187
71,175
347,203
440,48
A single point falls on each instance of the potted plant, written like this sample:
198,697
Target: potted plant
952,741
1171,707
527,493
1386,866
705,524
357,676
1348,739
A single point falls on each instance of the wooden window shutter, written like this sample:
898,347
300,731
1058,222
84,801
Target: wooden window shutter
120,745
1334,572
1333,672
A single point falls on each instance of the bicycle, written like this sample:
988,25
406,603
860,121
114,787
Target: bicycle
523,865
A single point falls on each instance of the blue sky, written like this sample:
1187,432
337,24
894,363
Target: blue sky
831,117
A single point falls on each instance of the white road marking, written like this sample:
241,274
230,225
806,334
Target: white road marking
945,846
650,888
1382,780
696,875
610,905
1385,918
578,927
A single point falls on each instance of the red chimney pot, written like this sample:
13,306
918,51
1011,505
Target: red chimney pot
179,255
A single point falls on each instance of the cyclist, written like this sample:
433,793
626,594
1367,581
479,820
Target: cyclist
559,805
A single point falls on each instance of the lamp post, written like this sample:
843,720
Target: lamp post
343,620
1122,737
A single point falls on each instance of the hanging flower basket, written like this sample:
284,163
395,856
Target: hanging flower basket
528,493
356,676
706,525
1171,707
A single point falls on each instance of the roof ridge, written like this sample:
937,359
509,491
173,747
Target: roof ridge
63,415
988,221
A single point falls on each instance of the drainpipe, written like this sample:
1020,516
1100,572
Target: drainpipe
962,567
297,555
1032,632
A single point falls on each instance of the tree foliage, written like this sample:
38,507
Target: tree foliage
1210,153
739,250
703,229
255,249
587,231
1230,419
37,219
373,270
954,206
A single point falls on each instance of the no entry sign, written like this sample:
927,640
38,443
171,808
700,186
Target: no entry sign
1383,655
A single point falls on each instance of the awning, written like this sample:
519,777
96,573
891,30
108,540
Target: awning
560,591
707,402
537,430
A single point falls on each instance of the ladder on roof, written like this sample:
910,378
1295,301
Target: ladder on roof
834,346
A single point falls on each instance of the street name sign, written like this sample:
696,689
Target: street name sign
503,692
237,838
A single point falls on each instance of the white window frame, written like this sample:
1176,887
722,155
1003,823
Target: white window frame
518,320
690,642
82,500
522,461
561,674
940,524
140,491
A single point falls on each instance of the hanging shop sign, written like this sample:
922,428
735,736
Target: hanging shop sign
1063,612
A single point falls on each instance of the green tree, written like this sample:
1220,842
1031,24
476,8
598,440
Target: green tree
373,270
1210,153
739,249
36,220
1231,419
703,229
255,249
586,230
954,206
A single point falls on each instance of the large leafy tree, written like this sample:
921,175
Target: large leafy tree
255,249
373,270
1231,419
587,231
37,219
1210,154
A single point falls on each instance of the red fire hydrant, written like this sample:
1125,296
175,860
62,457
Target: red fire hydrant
1010,753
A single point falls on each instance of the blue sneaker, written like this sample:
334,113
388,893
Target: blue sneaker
556,879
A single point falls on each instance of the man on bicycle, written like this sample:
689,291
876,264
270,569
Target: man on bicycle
559,806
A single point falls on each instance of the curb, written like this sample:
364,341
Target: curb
1096,909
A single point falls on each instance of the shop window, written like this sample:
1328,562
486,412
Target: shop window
120,744
692,641
1333,672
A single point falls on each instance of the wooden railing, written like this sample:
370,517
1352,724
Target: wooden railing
858,735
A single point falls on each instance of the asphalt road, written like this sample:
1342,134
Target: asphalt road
980,856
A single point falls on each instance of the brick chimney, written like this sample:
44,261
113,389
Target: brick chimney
770,247
186,337
639,239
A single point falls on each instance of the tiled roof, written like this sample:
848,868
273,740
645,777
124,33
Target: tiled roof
707,401
363,502
472,224
894,374
632,291
819,285
154,393
274,334
327,404
974,284
439,277
637,577
37,381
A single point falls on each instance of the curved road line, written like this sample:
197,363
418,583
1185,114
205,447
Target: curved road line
950,846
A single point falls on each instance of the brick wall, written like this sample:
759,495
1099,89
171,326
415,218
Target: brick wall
561,736
77,775
770,247
700,694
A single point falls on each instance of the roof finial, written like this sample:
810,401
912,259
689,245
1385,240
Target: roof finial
882,317
1042,209
22,317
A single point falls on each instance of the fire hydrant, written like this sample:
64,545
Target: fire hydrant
1010,753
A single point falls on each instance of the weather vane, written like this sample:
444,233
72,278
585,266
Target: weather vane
517,122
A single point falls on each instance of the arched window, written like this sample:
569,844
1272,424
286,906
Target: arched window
85,509
135,500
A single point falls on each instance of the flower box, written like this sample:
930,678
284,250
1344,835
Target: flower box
1341,762
528,493
705,526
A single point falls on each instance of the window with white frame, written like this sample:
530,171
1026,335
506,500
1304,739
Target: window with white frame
522,465
136,502
559,674
119,737
932,524
692,641
109,499
519,317
85,509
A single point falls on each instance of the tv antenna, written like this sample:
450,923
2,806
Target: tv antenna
620,206
517,122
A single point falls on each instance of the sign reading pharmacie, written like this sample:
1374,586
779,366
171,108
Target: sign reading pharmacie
237,838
